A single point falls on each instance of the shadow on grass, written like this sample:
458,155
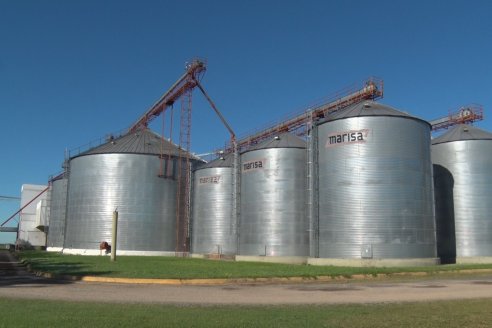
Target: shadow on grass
76,269
20,274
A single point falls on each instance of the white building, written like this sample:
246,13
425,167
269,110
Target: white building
33,219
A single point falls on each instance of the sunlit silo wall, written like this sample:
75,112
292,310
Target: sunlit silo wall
124,174
58,205
273,199
375,185
213,225
463,156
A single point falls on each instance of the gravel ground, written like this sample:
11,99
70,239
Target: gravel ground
15,282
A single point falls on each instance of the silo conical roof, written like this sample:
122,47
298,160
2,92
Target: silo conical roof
142,141
283,140
367,108
462,132
223,161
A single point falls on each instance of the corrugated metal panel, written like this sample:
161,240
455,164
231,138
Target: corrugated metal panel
56,231
375,188
273,203
146,203
467,188
213,228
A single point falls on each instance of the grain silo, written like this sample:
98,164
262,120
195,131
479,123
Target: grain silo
213,222
462,159
273,199
58,208
375,188
135,174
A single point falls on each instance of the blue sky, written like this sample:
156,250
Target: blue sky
74,71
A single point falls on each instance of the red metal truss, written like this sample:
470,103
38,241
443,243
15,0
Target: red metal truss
371,88
465,115
186,82
184,174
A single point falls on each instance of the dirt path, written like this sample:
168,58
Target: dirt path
15,282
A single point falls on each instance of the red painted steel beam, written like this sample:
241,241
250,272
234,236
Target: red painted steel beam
372,89
465,115
186,82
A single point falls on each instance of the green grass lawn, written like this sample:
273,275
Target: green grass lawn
188,268
35,313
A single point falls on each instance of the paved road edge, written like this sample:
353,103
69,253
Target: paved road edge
238,281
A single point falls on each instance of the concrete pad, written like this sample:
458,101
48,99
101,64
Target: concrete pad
273,259
54,249
75,251
474,260
374,262
213,256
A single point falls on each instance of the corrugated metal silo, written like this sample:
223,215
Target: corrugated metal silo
375,185
273,218
213,226
124,174
58,208
462,159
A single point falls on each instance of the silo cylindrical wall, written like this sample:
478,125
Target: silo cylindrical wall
375,189
273,218
58,207
213,228
469,164
129,183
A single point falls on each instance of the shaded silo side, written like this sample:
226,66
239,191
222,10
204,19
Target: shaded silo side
124,174
213,226
462,159
58,208
375,185
273,218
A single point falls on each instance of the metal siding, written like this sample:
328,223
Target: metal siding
56,231
376,195
146,203
27,230
469,194
213,229
273,217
